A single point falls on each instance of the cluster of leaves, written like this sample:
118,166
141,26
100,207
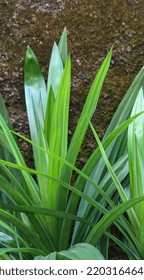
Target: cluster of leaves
44,214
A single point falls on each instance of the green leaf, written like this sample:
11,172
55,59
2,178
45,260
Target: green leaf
35,93
4,112
122,113
136,161
42,164
92,214
119,147
55,70
42,211
6,240
84,178
131,255
62,46
124,109
88,110
58,138
80,131
135,149
13,194
9,230
49,115
51,256
59,126
118,185
32,251
82,251
24,229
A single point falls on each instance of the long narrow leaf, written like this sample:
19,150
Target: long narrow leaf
136,161
31,236
119,187
62,46
30,185
35,93
80,183
88,110
55,70
109,218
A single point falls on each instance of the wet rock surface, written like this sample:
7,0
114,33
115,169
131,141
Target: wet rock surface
93,26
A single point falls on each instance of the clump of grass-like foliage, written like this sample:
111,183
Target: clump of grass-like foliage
44,216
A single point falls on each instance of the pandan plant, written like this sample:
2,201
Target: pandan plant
43,215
